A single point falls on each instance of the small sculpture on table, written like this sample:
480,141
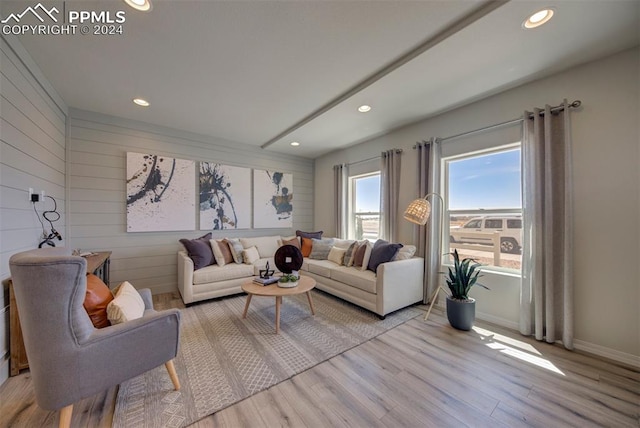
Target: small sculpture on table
266,273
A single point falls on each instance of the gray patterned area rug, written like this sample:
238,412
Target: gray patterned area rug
224,358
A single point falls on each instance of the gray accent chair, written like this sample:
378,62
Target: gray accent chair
69,359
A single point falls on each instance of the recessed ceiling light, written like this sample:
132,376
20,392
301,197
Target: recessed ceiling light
143,5
364,108
538,18
141,102
295,143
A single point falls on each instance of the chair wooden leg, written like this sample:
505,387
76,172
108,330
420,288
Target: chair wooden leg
172,374
65,416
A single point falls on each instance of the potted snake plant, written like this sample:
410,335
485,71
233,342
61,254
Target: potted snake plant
461,309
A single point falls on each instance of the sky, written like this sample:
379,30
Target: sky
490,181
368,194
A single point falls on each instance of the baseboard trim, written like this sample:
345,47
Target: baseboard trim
581,345
4,369
612,354
497,320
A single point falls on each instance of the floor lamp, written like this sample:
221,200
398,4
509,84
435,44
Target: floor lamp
418,212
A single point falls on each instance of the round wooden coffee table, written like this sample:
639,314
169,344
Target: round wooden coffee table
305,285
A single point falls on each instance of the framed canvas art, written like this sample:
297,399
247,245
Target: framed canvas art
272,199
160,193
225,197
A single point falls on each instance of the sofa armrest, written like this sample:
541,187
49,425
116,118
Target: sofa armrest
399,283
185,276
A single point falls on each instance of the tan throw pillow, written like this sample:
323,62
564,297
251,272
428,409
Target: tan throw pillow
127,305
96,300
336,255
221,252
294,241
358,255
251,255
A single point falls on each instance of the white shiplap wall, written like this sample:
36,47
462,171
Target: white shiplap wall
32,155
97,210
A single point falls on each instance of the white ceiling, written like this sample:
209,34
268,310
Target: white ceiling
251,71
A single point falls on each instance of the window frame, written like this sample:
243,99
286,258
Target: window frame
352,214
484,213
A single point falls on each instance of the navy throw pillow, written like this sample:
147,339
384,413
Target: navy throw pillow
382,252
199,251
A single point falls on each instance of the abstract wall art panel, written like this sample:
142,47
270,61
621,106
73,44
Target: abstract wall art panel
272,199
225,197
160,193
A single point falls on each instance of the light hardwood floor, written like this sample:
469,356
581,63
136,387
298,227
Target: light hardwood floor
420,374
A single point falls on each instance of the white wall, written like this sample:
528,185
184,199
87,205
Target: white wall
606,193
32,155
97,211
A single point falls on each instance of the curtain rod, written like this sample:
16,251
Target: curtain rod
554,109
370,159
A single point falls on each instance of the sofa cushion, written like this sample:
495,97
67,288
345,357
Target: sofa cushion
217,273
199,250
336,255
364,280
236,248
96,299
382,252
266,245
405,253
321,267
320,248
221,251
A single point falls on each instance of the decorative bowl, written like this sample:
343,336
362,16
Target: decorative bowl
287,284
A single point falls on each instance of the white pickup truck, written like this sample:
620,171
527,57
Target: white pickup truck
510,229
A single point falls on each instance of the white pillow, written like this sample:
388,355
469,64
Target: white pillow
336,255
405,253
367,255
250,255
127,305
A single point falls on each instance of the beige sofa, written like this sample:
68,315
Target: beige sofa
395,285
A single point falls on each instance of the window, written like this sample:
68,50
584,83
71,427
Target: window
364,206
484,206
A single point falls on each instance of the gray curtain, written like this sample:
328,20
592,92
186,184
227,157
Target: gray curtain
546,301
389,192
340,179
428,237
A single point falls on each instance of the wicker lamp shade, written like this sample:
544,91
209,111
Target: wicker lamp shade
418,211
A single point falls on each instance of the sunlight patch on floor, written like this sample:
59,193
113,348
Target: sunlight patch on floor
517,349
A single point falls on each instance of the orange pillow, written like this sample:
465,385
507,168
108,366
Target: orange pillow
307,246
96,300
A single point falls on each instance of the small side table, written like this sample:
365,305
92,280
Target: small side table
97,263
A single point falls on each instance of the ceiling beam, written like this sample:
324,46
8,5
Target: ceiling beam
478,13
